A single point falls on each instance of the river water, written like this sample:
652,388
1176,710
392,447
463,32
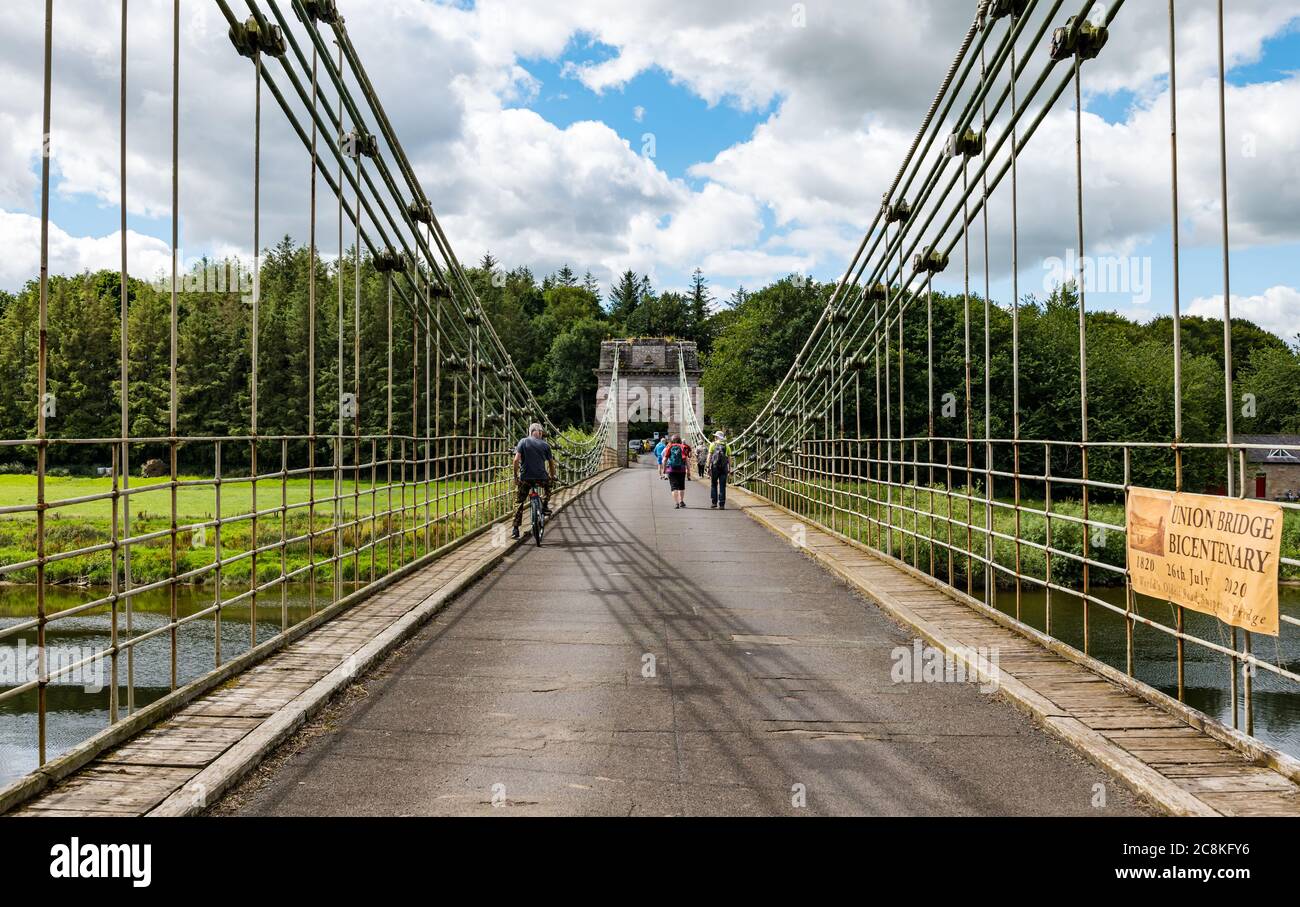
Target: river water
1206,674
78,707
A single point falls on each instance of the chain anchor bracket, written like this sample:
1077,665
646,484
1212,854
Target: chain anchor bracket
359,143
254,37
966,143
992,10
325,11
930,261
1078,38
388,260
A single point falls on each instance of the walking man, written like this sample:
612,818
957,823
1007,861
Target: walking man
533,465
676,464
659,454
719,469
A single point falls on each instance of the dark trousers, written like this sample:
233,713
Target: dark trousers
718,488
521,498
701,464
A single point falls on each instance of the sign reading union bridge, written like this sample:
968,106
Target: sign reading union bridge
1212,554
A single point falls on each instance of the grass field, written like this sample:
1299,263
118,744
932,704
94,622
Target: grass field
455,506
924,514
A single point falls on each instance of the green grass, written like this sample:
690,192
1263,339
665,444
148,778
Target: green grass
462,507
192,503
858,510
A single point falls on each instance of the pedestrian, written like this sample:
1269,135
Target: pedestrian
676,464
659,454
719,468
702,461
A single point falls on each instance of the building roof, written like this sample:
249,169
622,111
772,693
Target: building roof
1278,449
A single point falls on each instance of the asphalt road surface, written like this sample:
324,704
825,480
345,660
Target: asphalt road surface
652,661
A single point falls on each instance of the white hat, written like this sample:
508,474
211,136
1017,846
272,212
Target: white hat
719,435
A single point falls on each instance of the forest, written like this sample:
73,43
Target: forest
553,329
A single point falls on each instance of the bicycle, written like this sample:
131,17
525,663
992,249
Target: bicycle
539,514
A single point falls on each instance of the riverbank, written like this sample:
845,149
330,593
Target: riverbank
930,530
74,525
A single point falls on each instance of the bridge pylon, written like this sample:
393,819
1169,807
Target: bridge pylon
649,386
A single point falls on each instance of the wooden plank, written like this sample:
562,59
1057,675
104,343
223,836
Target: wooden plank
1254,803
1262,780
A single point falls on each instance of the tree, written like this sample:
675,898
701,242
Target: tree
625,297
564,307
766,332
1272,379
700,299
149,337
667,315
18,342
83,372
571,367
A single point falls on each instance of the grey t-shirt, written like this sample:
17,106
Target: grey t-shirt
534,454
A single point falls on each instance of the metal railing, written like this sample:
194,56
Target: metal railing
314,517
692,430
840,445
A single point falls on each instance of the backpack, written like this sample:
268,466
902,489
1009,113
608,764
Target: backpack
720,460
676,456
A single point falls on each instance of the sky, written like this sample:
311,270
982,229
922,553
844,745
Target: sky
749,139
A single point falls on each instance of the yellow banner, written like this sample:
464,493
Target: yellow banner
1212,554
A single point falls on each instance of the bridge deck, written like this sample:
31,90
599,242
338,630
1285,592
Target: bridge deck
769,673
770,677
179,765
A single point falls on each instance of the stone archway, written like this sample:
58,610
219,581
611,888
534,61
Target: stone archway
649,383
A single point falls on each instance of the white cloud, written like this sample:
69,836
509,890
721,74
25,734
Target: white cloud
20,234
1277,309
847,92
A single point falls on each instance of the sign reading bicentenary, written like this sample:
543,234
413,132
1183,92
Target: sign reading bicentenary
1212,554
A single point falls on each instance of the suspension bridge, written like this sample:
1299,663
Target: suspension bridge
392,651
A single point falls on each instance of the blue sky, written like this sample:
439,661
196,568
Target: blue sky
772,143
686,128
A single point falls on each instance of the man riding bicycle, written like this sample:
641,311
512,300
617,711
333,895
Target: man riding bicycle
533,465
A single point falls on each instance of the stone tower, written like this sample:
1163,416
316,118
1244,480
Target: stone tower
649,383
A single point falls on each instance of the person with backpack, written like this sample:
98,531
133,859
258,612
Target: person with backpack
659,454
702,461
675,465
719,469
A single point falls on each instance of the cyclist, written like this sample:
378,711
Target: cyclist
533,465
